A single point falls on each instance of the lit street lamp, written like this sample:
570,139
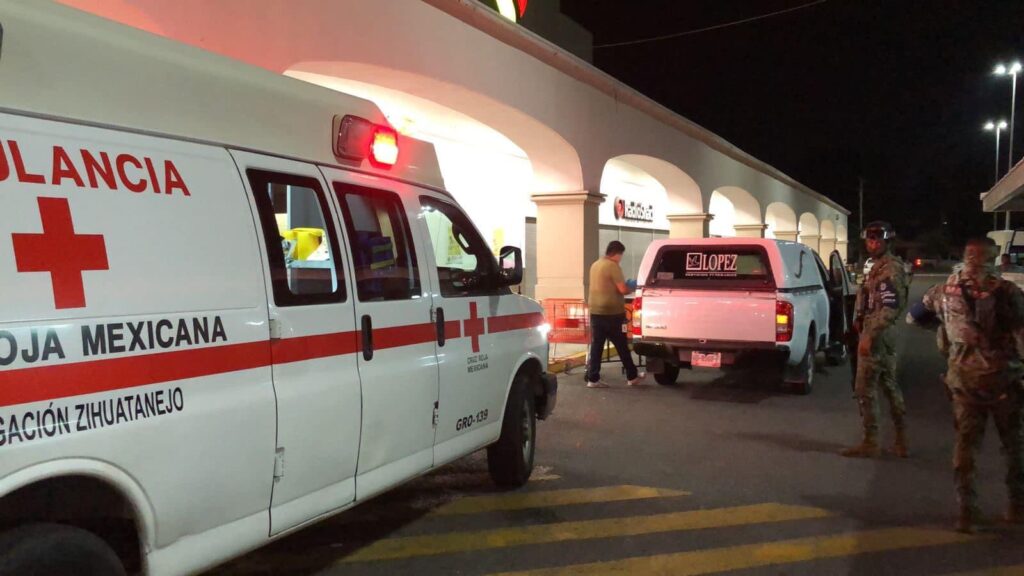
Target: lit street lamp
1012,71
997,128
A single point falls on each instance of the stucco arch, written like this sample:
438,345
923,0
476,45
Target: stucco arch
842,241
735,212
683,193
827,230
556,164
780,222
810,230
827,242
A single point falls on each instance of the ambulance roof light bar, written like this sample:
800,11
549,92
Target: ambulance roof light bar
358,138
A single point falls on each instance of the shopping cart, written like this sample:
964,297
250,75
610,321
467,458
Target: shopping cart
570,324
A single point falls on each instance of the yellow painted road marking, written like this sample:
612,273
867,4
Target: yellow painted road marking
548,498
582,530
761,555
999,571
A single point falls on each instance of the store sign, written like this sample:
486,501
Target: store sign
512,9
632,210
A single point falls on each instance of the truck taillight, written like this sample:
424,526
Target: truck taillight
783,321
638,312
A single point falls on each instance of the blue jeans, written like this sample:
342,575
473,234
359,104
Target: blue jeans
602,329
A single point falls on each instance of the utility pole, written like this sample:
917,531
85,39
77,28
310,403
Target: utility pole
860,210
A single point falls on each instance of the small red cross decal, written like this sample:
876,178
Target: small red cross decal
473,327
61,252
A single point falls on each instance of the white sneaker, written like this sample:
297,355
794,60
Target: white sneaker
639,380
598,384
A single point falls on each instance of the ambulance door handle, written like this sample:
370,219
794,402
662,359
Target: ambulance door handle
367,338
439,319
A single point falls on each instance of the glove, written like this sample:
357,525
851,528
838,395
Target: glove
631,284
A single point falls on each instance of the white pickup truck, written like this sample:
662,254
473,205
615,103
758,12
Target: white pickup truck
735,302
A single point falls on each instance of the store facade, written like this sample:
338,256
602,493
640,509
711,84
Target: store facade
545,151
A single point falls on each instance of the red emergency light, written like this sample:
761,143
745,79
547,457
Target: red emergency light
358,138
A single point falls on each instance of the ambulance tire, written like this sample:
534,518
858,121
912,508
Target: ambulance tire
56,550
510,459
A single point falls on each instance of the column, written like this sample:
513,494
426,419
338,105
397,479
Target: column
750,230
811,240
843,246
787,235
826,246
566,242
689,225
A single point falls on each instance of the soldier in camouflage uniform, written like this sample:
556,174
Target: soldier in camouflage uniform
880,302
982,335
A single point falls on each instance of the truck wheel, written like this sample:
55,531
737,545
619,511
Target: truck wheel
802,380
56,550
668,376
510,459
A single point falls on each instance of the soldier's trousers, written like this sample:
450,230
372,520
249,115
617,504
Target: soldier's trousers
970,420
875,372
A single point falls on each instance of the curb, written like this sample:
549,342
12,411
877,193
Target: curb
562,365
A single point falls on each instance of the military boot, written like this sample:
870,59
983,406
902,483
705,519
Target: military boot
1015,513
899,444
967,519
868,448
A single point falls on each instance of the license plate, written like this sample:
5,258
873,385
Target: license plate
706,359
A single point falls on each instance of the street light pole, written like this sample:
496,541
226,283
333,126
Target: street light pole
997,127
1012,70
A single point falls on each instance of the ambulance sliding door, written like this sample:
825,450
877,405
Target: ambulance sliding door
313,340
397,360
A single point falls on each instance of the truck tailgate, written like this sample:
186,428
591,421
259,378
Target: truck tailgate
712,315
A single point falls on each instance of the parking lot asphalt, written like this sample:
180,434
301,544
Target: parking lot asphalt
720,473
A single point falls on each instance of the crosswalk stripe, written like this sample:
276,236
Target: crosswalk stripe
453,542
761,555
549,498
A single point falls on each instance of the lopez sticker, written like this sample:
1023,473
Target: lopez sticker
699,264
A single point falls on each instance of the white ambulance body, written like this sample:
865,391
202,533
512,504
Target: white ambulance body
228,310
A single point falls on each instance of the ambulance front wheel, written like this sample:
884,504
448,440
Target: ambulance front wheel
510,459
56,550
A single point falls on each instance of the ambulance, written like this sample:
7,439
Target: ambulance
233,304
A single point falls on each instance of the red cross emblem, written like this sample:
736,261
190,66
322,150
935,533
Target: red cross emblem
61,252
473,327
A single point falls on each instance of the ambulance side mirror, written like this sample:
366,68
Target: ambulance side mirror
510,266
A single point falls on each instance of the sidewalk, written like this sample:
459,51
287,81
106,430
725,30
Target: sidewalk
562,358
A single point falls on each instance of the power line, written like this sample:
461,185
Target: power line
709,28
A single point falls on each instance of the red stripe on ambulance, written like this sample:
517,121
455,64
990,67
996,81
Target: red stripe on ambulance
43,383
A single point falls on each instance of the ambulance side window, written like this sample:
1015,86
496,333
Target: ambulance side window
383,255
301,240
465,264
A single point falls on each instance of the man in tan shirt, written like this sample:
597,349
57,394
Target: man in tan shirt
608,315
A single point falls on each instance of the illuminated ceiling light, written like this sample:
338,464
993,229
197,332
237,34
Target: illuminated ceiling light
507,8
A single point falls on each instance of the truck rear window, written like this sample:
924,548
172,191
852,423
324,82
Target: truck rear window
712,266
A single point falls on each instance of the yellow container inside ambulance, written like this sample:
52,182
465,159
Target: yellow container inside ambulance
234,304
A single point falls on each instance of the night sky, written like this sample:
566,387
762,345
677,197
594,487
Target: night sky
895,91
